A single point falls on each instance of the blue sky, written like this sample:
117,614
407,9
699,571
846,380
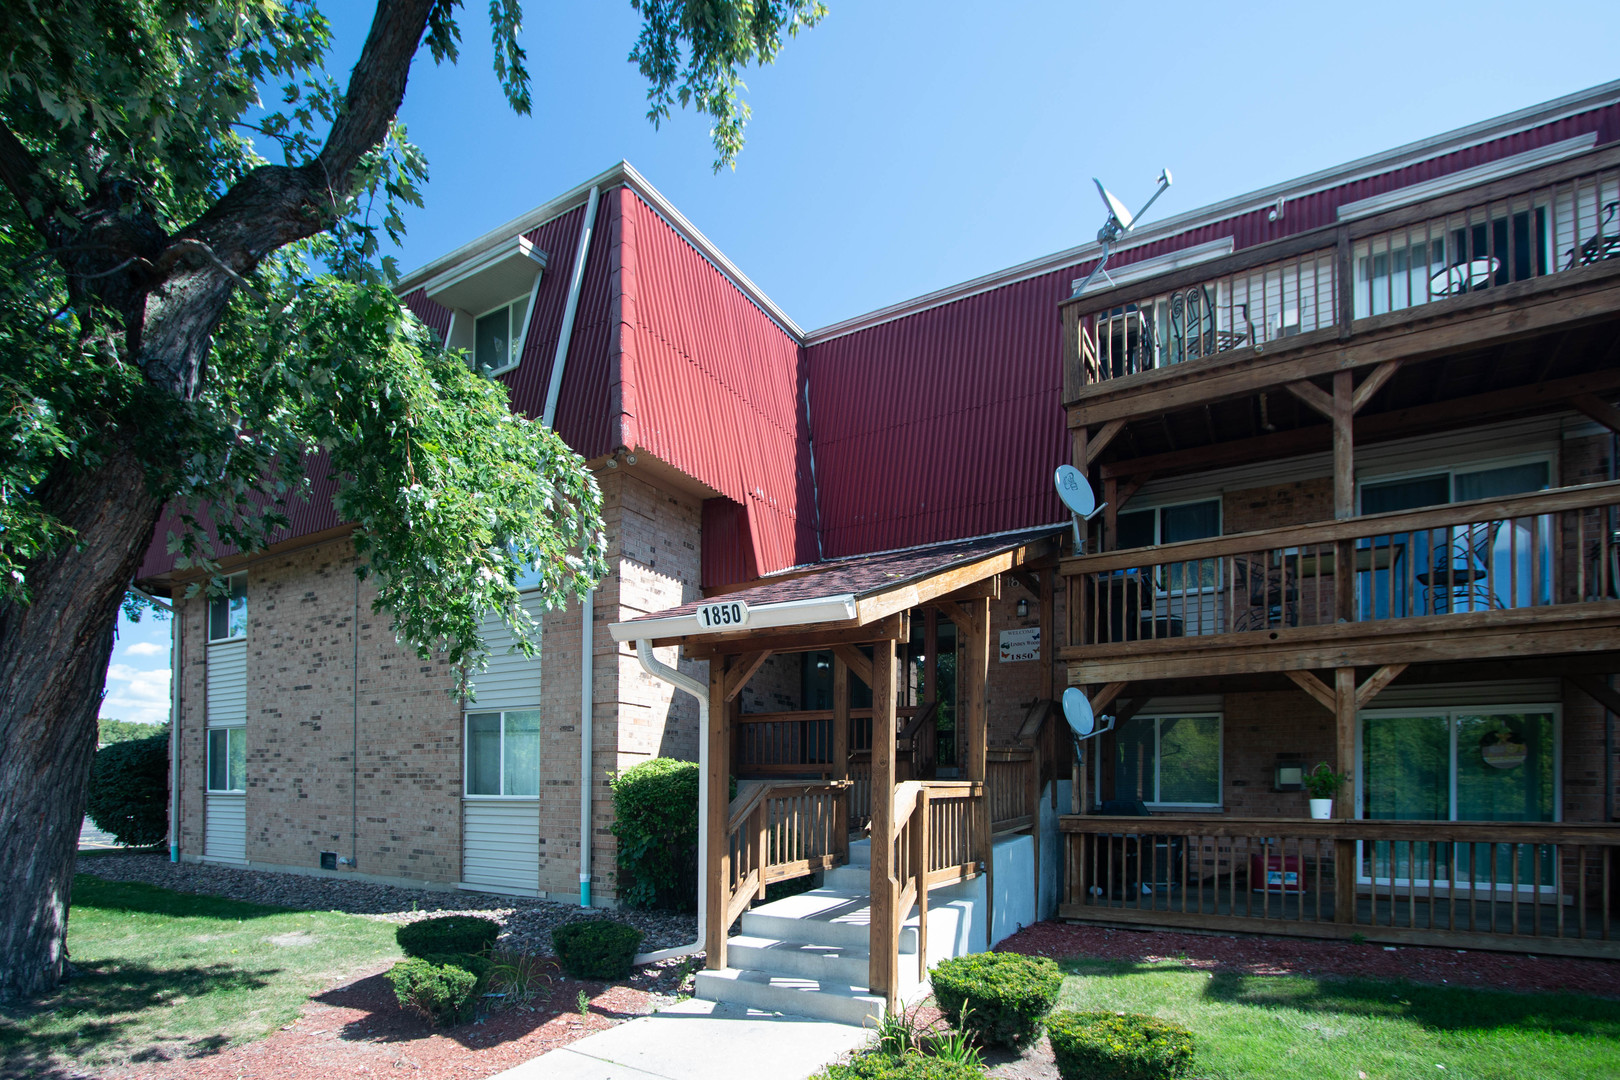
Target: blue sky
904,146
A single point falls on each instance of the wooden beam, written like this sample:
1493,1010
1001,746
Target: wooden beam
1312,395
787,639
742,669
855,661
1376,682
1030,580
1373,383
974,685
840,747
1380,427
883,940
1097,445
1105,697
1344,447
717,868
989,589
1316,688
1344,692
1598,690
917,593
1598,410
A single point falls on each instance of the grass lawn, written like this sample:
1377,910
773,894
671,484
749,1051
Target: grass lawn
1287,1026
165,974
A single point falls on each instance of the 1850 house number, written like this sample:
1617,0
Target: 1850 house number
731,613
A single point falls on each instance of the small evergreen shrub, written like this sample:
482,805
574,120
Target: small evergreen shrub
910,1066
999,998
443,992
448,934
477,966
129,790
596,948
655,817
1119,1046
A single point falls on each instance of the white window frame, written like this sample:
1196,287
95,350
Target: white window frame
230,580
519,338
1161,587
231,732
466,757
1158,758
1547,457
1451,712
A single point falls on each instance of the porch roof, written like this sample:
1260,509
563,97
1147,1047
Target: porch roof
855,592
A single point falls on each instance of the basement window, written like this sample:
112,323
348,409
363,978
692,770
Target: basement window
227,759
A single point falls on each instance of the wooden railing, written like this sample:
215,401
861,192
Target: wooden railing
1541,550
1011,784
783,830
1530,886
799,742
935,843
1318,285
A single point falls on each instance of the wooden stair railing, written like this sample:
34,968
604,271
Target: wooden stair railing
934,844
783,830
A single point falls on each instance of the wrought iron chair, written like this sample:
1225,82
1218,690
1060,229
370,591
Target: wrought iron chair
1271,602
1462,569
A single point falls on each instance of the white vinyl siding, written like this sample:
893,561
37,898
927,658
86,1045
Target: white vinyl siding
512,679
225,827
227,682
501,845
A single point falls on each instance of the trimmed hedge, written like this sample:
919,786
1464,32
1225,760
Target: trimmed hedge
655,817
998,998
453,934
911,1066
596,948
444,992
1119,1046
129,791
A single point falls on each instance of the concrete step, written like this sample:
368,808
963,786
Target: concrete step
860,853
832,917
782,994
846,965
850,879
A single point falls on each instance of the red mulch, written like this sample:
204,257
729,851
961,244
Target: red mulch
359,1029
1293,956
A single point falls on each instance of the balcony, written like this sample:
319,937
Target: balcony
1466,252
1527,574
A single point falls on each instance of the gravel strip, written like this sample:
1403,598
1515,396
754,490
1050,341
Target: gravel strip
526,924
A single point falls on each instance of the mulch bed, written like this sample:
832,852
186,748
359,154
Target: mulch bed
1293,956
358,1029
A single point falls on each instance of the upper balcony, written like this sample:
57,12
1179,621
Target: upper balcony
1537,253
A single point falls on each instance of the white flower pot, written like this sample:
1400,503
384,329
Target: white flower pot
1321,809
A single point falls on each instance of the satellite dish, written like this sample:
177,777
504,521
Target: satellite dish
1077,711
1075,491
1115,208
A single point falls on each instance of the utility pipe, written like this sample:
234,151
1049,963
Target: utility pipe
665,673
548,417
174,736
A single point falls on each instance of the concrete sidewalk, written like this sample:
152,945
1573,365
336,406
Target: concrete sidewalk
699,1040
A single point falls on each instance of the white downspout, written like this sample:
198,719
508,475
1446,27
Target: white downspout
664,672
587,639
174,735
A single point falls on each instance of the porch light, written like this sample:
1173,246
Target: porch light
1023,607
1289,775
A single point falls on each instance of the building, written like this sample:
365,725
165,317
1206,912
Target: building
1404,365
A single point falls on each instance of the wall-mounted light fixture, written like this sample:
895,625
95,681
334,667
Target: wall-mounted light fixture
1023,607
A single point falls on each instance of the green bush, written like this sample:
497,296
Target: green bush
444,992
1118,1046
477,966
911,1066
448,934
655,817
999,998
596,948
129,790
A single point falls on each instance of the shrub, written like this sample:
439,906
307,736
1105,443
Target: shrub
444,992
875,1065
1118,1046
655,817
448,934
997,997
129,790
596,948
477,966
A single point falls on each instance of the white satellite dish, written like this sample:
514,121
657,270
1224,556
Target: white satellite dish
1115,207
1120,221
1075,491
1077,711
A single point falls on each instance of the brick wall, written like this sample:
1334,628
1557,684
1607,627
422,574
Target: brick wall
1280,504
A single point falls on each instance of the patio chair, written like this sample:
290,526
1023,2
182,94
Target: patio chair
1271,601
1460,577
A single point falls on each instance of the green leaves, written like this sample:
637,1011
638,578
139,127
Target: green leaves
693,51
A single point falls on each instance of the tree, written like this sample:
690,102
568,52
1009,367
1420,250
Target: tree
184,322
129,789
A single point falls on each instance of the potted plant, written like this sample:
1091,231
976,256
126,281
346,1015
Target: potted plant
1323,784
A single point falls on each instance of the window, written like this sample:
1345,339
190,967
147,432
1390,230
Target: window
503,753
1169,525
227,759
1168,760
497,336
227,614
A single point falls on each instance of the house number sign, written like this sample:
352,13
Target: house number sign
726,615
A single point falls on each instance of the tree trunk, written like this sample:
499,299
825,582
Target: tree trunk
53,665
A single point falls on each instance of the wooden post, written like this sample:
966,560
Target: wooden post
840,753
976,669
1048,630
883,940
717,879
762,844
1344,448
1344,698
919,867
1344,881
